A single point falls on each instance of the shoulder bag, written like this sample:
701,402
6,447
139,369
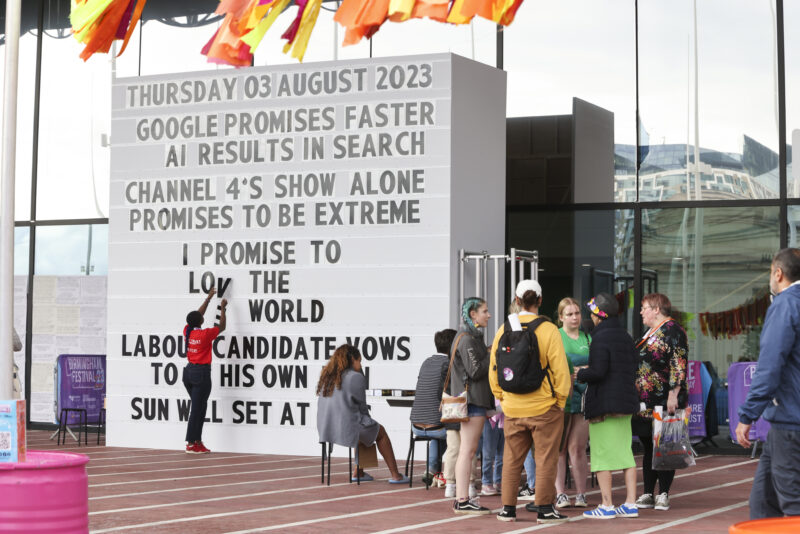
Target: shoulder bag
454,408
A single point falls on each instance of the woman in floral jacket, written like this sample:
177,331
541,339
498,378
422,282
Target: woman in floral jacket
661,381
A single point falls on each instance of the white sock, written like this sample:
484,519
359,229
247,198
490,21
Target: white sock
607,507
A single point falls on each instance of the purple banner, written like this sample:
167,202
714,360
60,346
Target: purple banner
81,384
740,376
697,418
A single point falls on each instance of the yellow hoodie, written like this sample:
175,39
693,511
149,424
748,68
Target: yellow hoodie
551,351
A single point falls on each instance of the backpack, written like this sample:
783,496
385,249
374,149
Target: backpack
519,369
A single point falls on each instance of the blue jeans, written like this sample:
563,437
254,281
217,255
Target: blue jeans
433,445
530,470
197,381
492,465
776,487
474,410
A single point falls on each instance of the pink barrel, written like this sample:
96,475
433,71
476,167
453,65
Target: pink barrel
47,493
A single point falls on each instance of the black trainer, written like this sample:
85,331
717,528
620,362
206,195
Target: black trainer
531,507
548,514
508,513
469,507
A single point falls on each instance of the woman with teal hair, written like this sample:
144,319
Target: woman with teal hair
470,373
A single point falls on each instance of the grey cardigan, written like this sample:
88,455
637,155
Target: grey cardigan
471,365
344,416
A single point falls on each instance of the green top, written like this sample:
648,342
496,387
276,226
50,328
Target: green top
577,355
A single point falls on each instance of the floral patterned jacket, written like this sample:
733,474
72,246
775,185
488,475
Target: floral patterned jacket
663,356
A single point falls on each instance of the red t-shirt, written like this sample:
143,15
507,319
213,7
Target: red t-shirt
198,346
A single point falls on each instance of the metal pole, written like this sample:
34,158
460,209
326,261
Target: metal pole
485,268
460,278
13,10
513,255
477,277
496,295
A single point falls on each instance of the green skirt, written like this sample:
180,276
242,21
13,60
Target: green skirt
610,444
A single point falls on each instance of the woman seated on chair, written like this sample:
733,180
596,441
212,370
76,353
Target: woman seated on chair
342,412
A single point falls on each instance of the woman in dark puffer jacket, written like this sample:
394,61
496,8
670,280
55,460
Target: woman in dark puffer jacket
610,400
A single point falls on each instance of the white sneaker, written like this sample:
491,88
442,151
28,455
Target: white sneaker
662,501
562,501
645,501
450,491
473,491
580,501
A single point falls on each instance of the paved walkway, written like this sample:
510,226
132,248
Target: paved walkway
158,491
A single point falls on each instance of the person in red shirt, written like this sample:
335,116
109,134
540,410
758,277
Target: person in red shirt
197,373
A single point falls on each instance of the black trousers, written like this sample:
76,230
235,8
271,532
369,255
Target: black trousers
649,474
197,381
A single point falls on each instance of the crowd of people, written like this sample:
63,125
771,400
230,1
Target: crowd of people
575,390
595,389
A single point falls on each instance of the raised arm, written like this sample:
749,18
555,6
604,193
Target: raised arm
211,293
222,321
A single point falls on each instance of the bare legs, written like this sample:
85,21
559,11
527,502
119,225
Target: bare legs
470,435
576,447
385,448
604,479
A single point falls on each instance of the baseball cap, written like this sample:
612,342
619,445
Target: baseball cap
528,285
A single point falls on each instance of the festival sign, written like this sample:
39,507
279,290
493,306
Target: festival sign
740,377
325,202
694,384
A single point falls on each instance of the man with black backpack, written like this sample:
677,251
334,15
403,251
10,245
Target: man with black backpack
530,377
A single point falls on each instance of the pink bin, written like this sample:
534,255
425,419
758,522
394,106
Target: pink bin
47,493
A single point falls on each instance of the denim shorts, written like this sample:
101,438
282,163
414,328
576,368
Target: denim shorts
475,411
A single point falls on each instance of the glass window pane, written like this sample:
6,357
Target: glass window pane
98,255
715,102
557,51
581,254
713,264
74,128
791,19
62,250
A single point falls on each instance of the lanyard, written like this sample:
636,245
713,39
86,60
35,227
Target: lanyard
652,331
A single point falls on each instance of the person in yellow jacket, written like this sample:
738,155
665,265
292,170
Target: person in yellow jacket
536,417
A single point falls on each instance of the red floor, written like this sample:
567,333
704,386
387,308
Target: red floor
154,491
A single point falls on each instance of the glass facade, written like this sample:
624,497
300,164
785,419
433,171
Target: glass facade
696,72
701,123
713,264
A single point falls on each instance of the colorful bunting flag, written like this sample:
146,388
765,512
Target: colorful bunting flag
98,23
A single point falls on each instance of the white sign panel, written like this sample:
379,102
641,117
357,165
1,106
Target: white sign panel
316,199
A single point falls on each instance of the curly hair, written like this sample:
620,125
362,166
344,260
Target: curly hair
470,304
331,376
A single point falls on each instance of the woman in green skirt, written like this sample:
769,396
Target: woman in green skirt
610,400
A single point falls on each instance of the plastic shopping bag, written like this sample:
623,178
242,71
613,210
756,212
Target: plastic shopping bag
671,446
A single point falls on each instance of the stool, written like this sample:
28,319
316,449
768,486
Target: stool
101,423
329,446
82,424
410,457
